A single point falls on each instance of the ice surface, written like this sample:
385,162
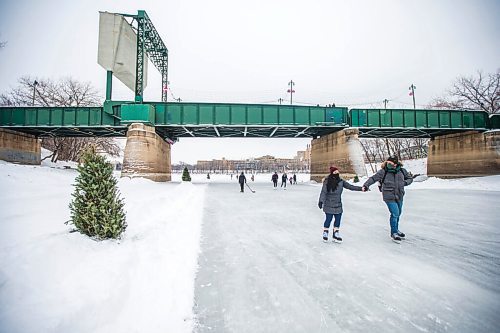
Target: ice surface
264,267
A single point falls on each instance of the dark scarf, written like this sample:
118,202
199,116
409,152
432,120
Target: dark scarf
333,181
392,169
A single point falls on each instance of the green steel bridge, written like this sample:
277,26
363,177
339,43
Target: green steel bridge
175,120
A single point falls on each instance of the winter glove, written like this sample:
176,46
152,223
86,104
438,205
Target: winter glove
320,205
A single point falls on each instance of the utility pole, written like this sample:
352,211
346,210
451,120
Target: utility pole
34,91
412,93
386,139
281,100
291,91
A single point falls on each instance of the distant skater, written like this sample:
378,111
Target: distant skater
393,178
242,180
274,178
291,180
284,178
330,200
294,178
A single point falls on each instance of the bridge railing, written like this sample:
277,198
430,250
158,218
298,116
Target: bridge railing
247,114
406,118
55,116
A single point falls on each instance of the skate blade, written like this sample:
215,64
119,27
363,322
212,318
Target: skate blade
396,241
337,241
325,240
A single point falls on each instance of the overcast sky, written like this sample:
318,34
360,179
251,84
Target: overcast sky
353,53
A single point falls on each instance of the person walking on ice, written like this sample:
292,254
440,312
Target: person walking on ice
274,178
393,178
330,200
242,180
284,178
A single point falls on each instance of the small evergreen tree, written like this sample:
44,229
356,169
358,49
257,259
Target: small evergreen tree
97,210
185,175
356,179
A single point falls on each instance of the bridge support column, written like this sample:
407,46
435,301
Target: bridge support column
19,147
147,155
342,149
464,155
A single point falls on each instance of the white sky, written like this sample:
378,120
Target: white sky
351,53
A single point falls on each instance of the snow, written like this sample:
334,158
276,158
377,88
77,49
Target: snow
203,257
55,281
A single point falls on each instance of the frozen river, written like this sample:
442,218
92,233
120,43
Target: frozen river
264,268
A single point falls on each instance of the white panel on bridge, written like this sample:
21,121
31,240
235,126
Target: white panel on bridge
117,50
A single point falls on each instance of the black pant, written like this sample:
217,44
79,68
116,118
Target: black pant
275,183
241,185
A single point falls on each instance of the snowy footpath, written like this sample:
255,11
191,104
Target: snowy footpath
52,280
264,268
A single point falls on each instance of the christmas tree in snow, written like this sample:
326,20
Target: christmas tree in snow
97,210
185,175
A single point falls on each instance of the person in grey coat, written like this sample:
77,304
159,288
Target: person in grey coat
330,200
393,178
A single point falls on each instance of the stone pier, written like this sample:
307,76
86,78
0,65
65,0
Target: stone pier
465,154
19,147
342,149
147,155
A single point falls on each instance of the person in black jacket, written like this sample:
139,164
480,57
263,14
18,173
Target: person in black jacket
330,200
394,178
284,178
242,180
274,178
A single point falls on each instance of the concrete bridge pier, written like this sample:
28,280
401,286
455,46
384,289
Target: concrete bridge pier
467,154
19,147
342,149
147,155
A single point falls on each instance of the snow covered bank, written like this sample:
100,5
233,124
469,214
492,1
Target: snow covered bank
55,281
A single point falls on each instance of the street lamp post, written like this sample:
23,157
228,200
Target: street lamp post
34,91
412,93
291,91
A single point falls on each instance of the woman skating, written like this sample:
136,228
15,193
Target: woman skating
330,200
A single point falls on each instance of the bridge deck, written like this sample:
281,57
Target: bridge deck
174,120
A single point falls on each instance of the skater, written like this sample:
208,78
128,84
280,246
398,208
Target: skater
330,200
242,180
294,178
274,178
208,175
252,178
393,178
284,178
291,180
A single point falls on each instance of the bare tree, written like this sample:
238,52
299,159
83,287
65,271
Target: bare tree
481,92
66,92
